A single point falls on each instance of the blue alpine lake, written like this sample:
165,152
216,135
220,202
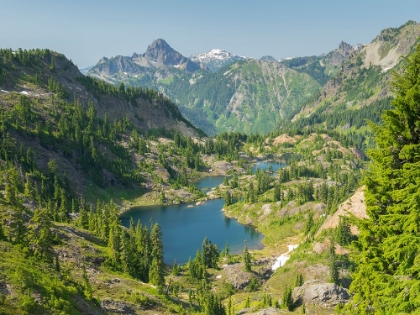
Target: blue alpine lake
185,226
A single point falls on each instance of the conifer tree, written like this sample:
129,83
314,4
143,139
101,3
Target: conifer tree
387,278
114,245
40,235
246,257
226,250
156,272
17,228
287,301
343,232
86,285
2,235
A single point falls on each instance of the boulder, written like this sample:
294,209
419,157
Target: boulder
266,209
114,306
237,276
266,311
324,294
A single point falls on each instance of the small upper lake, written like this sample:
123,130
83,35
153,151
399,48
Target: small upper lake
209,182
272,166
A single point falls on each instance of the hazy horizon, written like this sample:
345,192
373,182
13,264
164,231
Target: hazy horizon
87,31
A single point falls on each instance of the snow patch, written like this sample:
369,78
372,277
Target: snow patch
4,91
283,258
24,93
386,69
218,277
216,54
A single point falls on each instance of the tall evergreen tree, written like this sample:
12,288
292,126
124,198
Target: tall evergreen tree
387,280
40,235
156,272
246,257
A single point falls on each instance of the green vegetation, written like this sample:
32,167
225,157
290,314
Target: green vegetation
63,160
386,280
210,102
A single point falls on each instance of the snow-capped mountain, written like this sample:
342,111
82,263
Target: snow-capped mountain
216,59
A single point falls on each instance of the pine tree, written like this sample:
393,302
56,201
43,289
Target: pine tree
17,228
287,301
229,306
226,250
387,278
298,280
309,222
2,235
114,245
40,235
343,232
156,272
247,302
277,193
175,269
86,285
246,257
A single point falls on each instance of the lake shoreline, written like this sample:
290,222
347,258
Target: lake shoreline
214,194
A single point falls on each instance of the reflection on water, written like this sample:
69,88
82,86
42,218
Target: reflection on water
271,166
207,183
184,228
227,222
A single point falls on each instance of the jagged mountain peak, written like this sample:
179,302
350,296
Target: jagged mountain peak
344,47
159,49
160,53
103,60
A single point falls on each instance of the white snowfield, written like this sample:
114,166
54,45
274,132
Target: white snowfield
24,93
213,54
281,260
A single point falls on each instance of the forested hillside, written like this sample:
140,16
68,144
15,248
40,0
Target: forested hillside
340,226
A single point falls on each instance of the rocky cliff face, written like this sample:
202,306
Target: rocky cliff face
363,76
163,55
337,56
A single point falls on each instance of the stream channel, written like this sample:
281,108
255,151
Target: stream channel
184,226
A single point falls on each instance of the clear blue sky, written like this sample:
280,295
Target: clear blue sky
87,30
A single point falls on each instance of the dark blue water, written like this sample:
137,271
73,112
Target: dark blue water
184,228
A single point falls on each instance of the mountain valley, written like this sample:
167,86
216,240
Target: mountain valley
339,218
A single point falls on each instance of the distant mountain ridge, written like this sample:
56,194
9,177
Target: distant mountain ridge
218,91
215,90
361,88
